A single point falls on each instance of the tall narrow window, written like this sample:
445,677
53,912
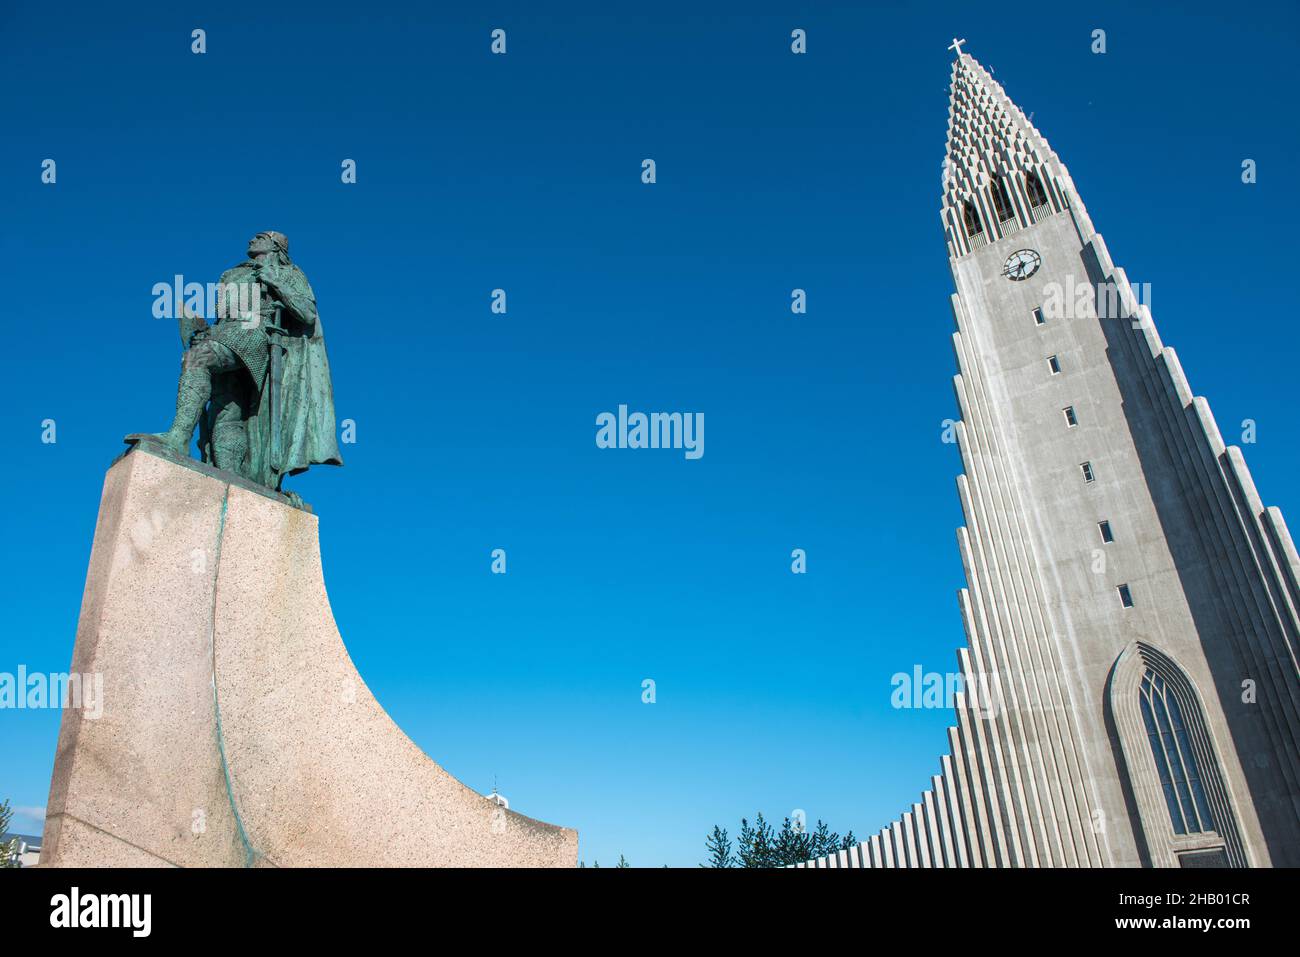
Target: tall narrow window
1071,419
1086,469
1180,778
1034,187
1038,317
1053,365
971,220
1125,596
1107,536
1001,201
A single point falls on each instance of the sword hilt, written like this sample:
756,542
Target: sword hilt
274,394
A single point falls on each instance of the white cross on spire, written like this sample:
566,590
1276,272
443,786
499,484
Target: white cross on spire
956,45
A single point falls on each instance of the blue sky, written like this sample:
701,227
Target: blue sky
476,431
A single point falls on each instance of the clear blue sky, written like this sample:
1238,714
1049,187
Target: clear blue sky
476,431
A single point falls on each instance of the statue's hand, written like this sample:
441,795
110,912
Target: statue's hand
267,274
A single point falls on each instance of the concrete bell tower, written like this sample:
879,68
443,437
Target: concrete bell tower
1131,690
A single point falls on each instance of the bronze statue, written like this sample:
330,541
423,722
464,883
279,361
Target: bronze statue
257,381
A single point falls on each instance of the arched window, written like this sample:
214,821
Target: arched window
1180,777
1001,201
1185,812
1034,187
971,220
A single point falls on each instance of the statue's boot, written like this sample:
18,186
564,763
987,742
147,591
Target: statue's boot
191,396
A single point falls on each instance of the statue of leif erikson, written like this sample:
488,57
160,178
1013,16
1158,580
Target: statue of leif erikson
256,382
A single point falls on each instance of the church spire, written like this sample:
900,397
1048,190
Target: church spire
999,174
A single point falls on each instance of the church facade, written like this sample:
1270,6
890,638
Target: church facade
1131,695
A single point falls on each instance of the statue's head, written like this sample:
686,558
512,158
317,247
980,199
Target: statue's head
268,243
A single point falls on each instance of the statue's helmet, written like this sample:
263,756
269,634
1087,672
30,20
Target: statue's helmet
268,240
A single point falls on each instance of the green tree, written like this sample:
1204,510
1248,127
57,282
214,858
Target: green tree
754,845
9,848
718,844
761,845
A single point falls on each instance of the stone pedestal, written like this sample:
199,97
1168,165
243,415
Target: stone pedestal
235,730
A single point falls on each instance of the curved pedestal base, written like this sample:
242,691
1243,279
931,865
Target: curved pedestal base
235,730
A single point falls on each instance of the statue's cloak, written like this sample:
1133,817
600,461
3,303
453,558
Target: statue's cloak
304,393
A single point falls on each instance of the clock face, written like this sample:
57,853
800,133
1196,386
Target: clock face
1021,264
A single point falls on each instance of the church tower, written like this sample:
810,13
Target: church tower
1131,695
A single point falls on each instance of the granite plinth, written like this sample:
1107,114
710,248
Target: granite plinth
235,729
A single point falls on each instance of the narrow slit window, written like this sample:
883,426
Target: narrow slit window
1038,317
1054,365
1086,469
1071,419
1125,596
1107,536
1001,200
1034,187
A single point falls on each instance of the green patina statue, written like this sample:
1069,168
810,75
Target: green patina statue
256,382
